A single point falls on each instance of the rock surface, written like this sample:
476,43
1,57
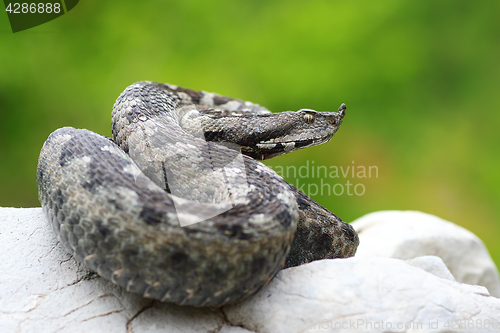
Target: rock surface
410,234
43,289
363,294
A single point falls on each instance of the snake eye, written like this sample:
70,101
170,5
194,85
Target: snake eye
308,118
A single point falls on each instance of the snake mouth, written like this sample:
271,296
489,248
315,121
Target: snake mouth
288,145
267,150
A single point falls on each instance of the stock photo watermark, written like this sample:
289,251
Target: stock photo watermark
28,14
330,180
424,326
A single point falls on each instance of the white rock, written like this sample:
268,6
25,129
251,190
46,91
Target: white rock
432,264
365,295
410,234
44,289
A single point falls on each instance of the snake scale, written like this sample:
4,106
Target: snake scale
176,207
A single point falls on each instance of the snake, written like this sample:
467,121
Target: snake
177,207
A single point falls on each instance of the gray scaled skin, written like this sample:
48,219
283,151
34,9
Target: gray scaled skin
122,217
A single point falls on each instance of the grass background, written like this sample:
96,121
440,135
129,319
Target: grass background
420,79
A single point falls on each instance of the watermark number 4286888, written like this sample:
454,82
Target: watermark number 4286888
18,8
25,15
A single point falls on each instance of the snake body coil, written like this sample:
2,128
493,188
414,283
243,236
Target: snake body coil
188,220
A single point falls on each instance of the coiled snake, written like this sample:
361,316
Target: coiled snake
189,219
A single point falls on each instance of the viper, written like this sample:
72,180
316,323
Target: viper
176,207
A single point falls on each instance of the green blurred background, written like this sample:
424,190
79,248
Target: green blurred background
421,80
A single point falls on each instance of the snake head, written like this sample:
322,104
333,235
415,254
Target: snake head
263,136
296,130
